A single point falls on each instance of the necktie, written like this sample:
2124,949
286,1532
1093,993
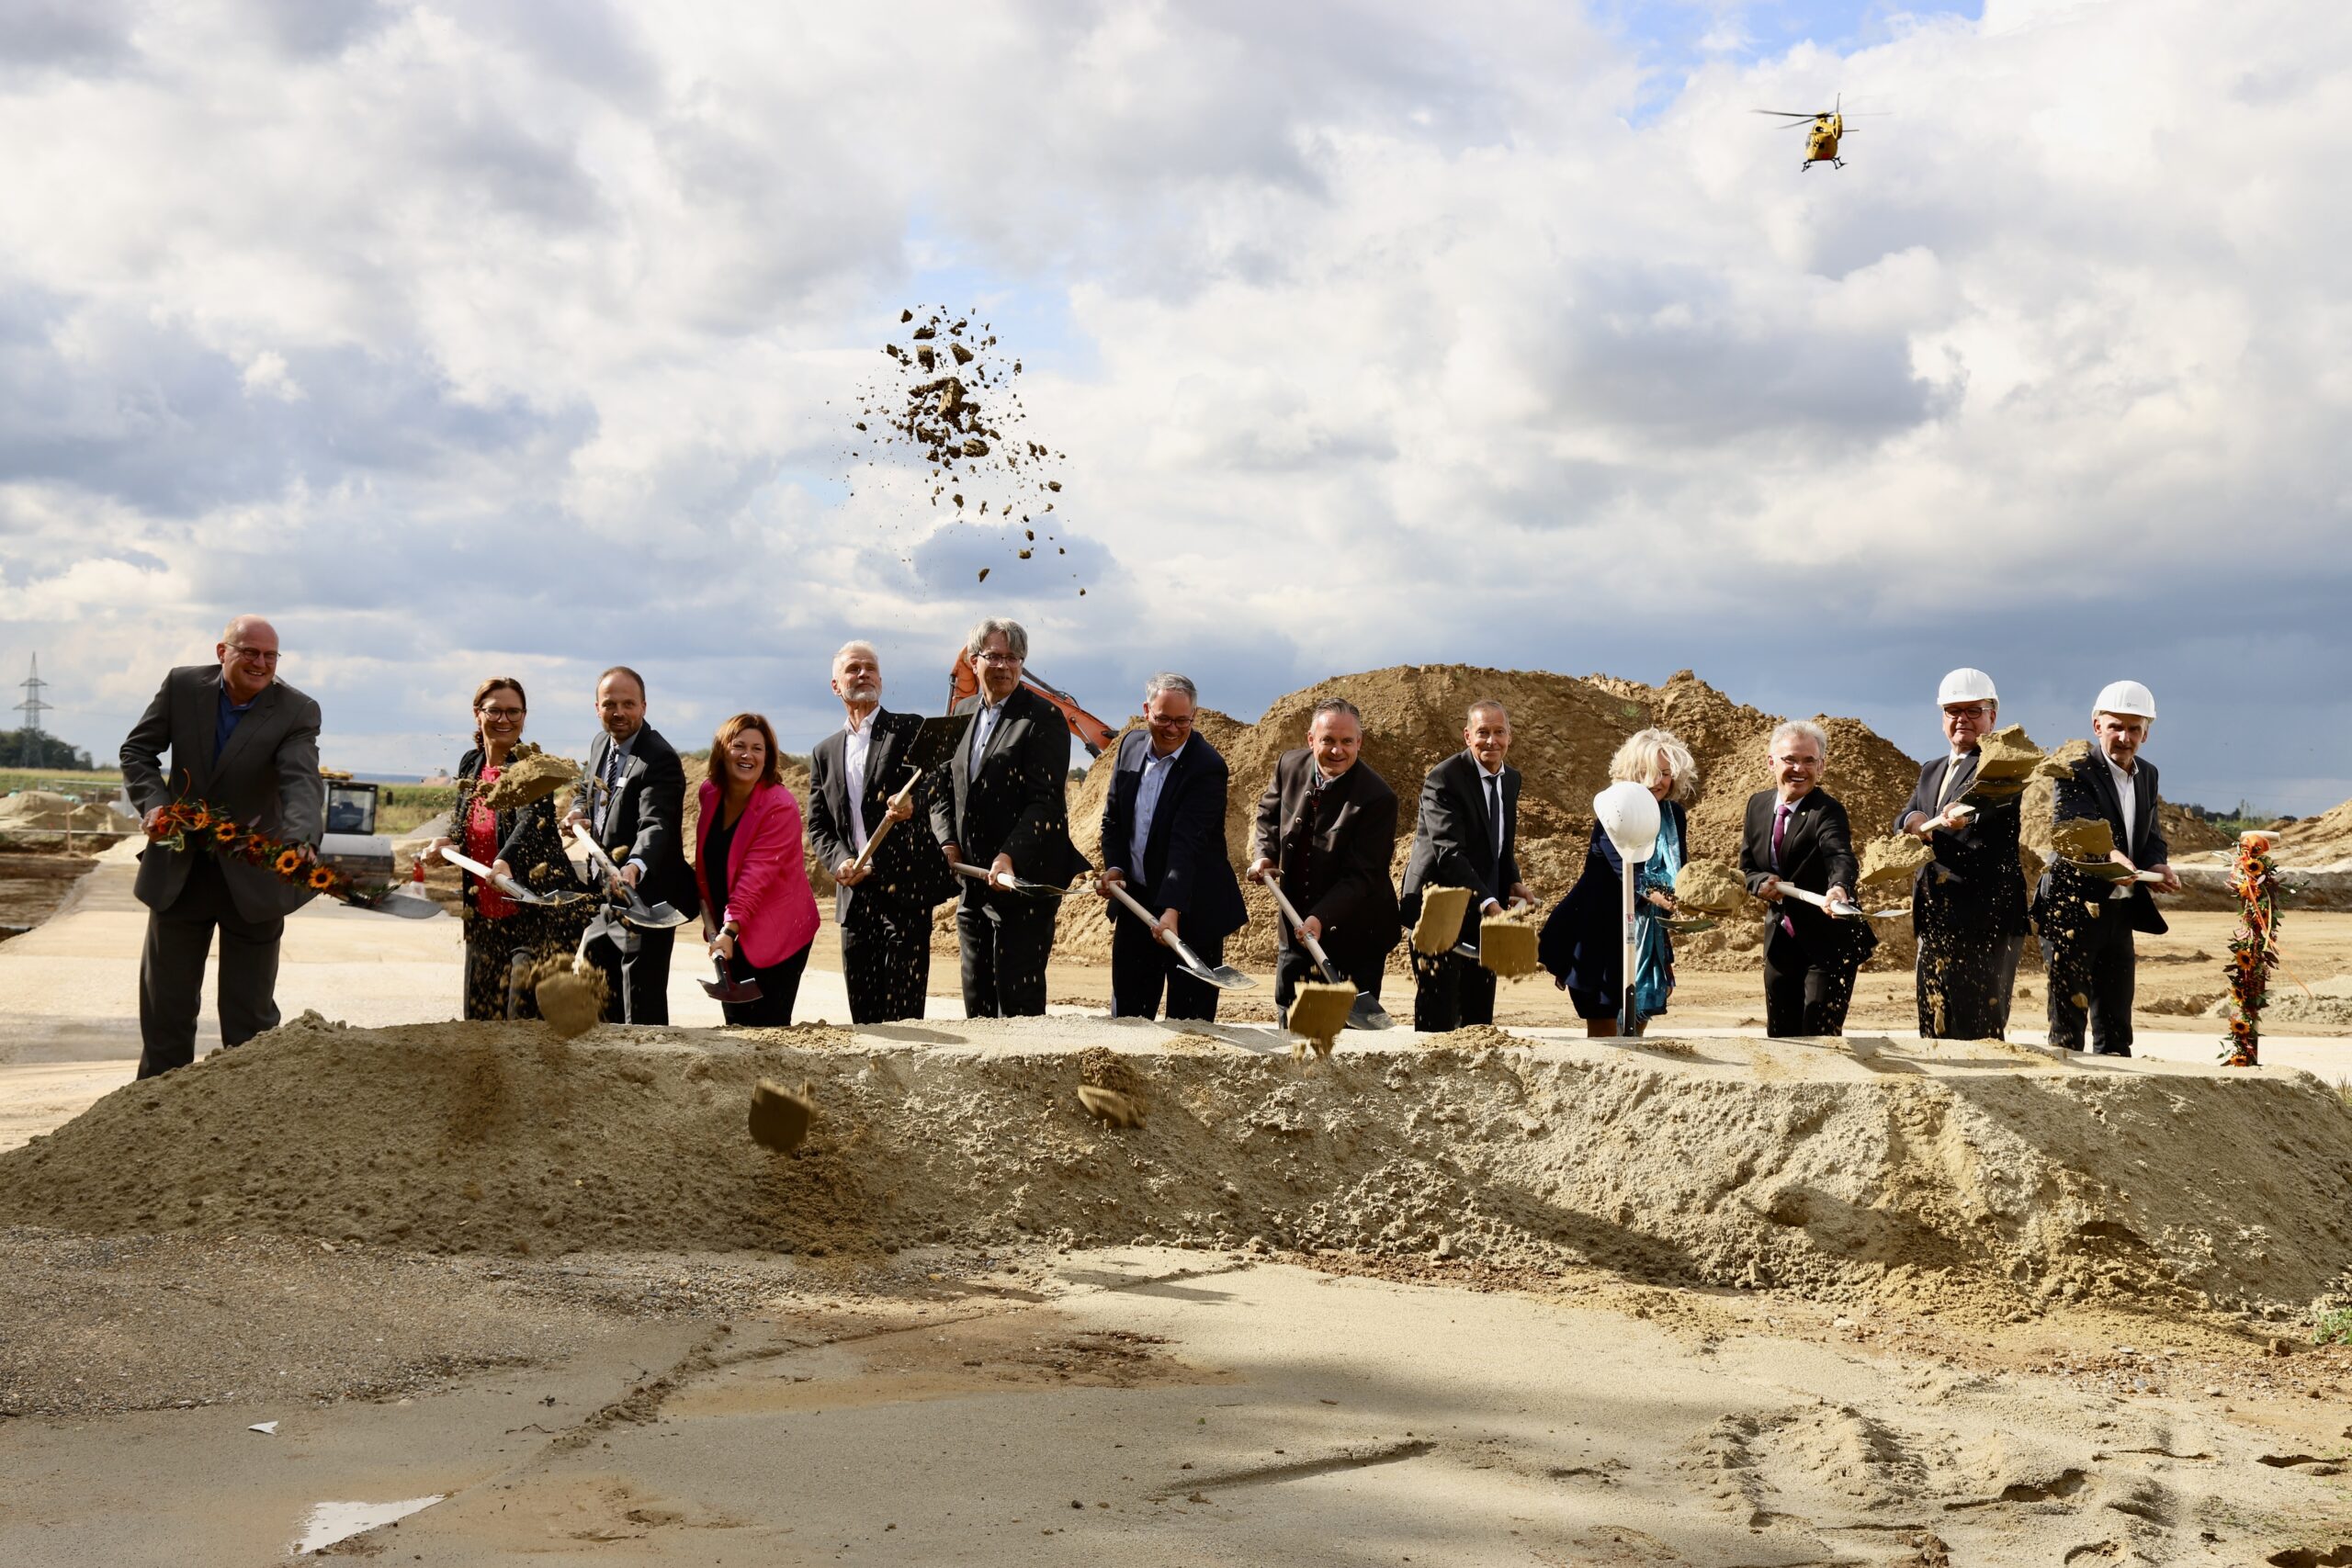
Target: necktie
612,783
1952,779
1495,810
1780,833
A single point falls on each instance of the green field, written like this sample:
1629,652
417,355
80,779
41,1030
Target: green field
63,781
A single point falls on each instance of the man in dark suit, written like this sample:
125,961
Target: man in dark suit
638,812
1327,826
1466,836
2086,924
884,908
1968,906
246,744
1163,840
1798,836
1006,810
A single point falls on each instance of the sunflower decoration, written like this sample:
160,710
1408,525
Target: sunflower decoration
225,832
289,863
323,879
2253,949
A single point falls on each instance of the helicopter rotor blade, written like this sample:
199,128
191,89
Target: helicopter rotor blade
1788,114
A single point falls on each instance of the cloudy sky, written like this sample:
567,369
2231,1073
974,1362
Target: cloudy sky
502,337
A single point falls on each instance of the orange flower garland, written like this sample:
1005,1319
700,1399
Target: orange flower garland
2253,949
182,818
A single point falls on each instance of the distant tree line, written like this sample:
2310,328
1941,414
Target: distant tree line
37,749
2243,814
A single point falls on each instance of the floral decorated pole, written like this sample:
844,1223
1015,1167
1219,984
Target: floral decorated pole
2253,949
183,820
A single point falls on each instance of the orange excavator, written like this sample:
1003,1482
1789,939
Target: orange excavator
1091,732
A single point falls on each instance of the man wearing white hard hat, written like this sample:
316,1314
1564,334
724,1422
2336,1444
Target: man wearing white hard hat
1968,906
2085,922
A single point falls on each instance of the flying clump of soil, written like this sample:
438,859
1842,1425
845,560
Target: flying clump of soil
1893,861
946,402
1709,887
530,775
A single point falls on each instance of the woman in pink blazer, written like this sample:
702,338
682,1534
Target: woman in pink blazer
758,914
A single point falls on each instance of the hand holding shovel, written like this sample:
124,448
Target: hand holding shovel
1365,1012
901,807
1005,882
635,910
1224,976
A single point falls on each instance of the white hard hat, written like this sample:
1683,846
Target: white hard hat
1966,685
2127,697
1628,814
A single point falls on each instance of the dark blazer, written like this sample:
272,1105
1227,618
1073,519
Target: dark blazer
1017,801
1817,855
2091,792
267,778
647,818
909,874
1582,943
1453,841
1184,865
1334,867
527,838
1987,899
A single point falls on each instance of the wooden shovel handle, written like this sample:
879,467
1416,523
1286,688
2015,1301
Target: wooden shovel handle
1313,948
874,839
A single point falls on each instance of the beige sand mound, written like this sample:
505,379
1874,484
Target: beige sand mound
1709,887
43,809
1850,1174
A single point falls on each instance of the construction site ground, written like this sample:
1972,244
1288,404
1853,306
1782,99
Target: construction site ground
996,1370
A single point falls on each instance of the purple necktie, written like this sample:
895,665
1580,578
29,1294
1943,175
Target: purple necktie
1780,832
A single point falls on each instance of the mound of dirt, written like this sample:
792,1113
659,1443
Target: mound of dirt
1564,732
43,809
2322,841
2004,1178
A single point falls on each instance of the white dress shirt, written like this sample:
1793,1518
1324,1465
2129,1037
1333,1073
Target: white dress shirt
2128,790
1147,788
858,741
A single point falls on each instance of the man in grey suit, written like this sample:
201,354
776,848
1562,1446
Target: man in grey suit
246,745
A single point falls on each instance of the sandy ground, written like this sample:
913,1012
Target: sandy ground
1025,1403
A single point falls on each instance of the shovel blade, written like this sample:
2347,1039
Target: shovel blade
738,991
1226,978
660,917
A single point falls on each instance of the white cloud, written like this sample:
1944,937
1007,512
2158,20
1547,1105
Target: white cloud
462,335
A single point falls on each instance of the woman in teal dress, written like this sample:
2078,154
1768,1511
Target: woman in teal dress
1583,940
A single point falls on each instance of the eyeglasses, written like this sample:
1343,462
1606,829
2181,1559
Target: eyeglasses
254,655
500,712
996,658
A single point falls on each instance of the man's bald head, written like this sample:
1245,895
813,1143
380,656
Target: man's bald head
248,655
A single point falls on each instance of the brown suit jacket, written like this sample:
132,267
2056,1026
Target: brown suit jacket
1335,865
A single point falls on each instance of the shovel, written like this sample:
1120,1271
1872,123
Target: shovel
394,900
1224,976
1838,911
1008,882
507,884
882,828
1365,1012
659,917
727,989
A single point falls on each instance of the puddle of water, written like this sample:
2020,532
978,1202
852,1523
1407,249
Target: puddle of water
331,1522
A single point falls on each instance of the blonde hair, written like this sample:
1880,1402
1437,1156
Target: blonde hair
1639,761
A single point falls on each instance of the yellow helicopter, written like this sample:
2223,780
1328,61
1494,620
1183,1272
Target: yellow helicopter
1826,129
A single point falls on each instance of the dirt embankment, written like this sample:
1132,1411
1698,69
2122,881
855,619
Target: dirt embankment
1734,1163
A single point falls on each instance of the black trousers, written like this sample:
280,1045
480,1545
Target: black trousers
2093,974
1142,967
170,971
886,961
1964,980
1004,939
779,987
1293,968
648,978
1449,991
1802,994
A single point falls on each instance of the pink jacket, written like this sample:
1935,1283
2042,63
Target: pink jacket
767,875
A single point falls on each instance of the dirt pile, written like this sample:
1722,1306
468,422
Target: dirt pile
42,808
1732,1163
1564,732
2322,841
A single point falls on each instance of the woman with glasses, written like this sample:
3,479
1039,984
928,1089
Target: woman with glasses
751,864
521,843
